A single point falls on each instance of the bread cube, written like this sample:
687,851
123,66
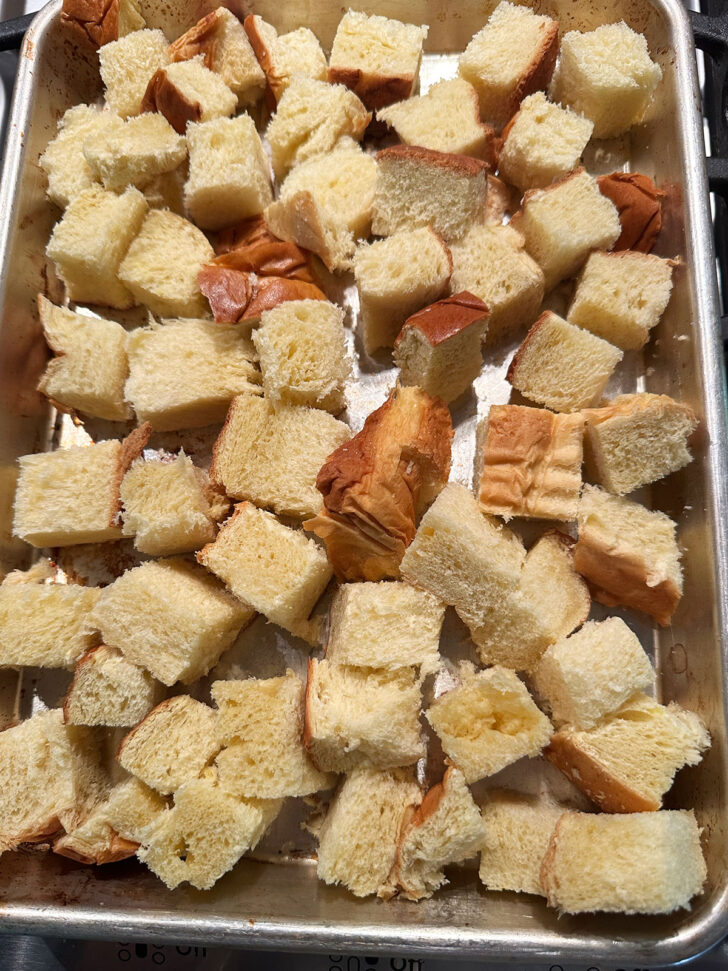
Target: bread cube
93,23
397,276
622,296
133,152
543,143
283,55
637,439
376,57
639,203
303,357
166,191
561,366
186,91
362,716
90,365
131,806
564,222
243,295
275,569
628,555
89,244
63,160
607,75
162,263
170,617
170,394
512,56
487,722
109,690
127,66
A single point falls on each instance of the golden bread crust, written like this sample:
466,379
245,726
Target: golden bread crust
446,318
639,204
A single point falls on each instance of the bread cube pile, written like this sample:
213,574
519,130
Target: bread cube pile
234,182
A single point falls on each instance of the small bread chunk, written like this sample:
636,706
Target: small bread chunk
301,345
639,203
90,241
637,439
283,55
512,56
518,828
376,57
229,175
311,118
109,690
531,463
561,366
272,456
133,152
564,222
90,365
93,23
418,187
166,191
127,65
644,863
487,722
397,276
170,394
376,485
439,348
170,617
628,554
63,160
543,143
446,119
188,91
162,263
607,75
446,828
359,836
277,570
622,296
491,263
591,673
260,725
362,716
241,295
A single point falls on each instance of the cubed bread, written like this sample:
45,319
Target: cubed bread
607,75
131,806
170,617
283,55
585,676
643,863
397,276
167,392
512,56
543,143
187,91
90,242
358,838
301,346
439,348
229,175
243,295
385,625
166,191
63,160
628,554
161,265
376,57
564,222
127,66
275,569
531,463
488,721
107,689
272,456
639,203
93,23
90,365
561,366
637,439
133,152
362,716
419,187
260,725
622,296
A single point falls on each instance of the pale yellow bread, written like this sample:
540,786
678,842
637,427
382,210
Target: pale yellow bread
109,690
127,66
63,160
134,152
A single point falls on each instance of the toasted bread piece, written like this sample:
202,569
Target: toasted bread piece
127,66
186,91
63,160
639,203
283,55
109,690
133,152
93,23
240,295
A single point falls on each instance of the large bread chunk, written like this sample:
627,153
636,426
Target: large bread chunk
63,160
283,55
186,91
127,66
134,152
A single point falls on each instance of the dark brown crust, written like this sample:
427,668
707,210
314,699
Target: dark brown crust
265,258
118,848
373,90
245,233
464,165
274,86
85,659
200,39
164,96
236,295
639,204
446,318
537,76
512,373
92,22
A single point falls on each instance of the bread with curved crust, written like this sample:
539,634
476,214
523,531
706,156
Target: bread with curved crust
236,295
97,22
639,204
282,55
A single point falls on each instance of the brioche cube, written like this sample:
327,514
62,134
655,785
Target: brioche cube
162,263
283,55
543,143
170,617
131,806
127,65
606,74
622,296
397,276
359,836
63,160
561,366
362,716
187,91
89,244
301,345
166,191
109,690
564,222
134,152
487,722
512,56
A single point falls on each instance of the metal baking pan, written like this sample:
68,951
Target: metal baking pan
284,906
